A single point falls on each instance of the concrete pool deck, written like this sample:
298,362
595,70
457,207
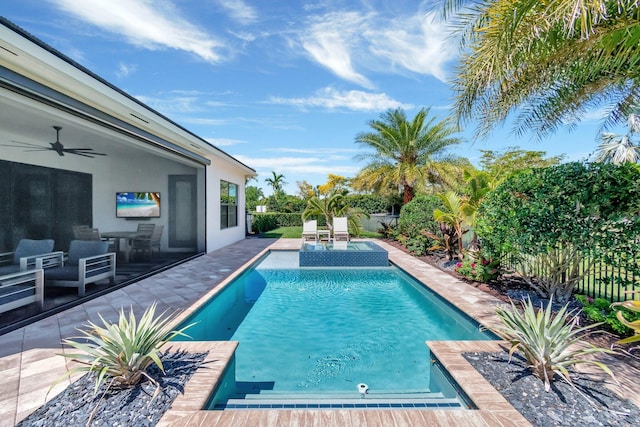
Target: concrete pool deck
29,362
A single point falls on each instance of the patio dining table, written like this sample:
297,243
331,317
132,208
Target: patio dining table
127,236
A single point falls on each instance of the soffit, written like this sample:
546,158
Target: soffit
26,58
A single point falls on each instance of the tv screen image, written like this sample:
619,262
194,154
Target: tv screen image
137,205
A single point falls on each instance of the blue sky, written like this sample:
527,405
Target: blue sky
282,85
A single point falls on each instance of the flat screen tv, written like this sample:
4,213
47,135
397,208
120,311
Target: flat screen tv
137,205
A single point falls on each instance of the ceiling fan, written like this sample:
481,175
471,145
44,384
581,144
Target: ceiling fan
57,147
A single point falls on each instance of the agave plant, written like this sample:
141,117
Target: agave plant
122,351
551,344
635,325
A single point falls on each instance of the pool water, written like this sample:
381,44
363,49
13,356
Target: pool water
323,331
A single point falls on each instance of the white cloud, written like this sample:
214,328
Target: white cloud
417,44
352,99
125,70
330,40
151,24
349,43
239,11
224,142
299,165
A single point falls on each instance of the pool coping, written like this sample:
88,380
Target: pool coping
493,408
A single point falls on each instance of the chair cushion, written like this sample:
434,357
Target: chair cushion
9,269
70,273
85,248
28,247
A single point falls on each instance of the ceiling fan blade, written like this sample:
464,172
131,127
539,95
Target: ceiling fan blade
83,151
25,144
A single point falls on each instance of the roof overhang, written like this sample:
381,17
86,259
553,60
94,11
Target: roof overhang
33,69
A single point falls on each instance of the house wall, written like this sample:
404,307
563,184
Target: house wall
217,237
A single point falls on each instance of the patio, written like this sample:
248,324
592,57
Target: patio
29,362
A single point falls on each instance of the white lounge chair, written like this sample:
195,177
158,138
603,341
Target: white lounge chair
340,228
310,230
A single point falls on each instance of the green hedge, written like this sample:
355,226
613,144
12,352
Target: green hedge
271,220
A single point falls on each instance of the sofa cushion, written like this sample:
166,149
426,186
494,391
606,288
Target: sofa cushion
85,248
28,247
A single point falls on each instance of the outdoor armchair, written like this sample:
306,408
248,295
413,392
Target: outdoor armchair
21,288
87,262
25,255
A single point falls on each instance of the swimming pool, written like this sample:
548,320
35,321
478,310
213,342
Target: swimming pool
315,334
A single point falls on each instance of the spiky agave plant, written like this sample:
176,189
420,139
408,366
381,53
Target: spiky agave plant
550,344
122,351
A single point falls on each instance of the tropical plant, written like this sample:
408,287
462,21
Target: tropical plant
335,205
550,343
276,181
551,60
601,310
406,154
453,213
619,149
634,306
122,351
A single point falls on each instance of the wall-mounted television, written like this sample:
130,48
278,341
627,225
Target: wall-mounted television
137,205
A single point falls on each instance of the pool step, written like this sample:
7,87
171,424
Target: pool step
288,400
328,403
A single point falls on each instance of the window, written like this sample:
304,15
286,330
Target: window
228,204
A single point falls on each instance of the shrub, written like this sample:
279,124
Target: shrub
601,310
417,216
550,344
268,221
481,270
555,216
122,351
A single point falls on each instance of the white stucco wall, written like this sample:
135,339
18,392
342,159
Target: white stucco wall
217,237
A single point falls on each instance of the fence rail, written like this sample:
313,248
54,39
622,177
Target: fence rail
616,280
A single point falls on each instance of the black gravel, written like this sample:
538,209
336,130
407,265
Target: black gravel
121,407
563,405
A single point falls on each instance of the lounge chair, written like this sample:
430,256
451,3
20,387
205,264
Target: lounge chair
340,228
21,288
310,230
88,261
25,255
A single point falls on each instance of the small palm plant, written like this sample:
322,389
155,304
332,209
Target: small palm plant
122,351
551,344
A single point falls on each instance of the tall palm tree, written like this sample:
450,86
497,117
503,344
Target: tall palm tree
547,62
276,181
407,154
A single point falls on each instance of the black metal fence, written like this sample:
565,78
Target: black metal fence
614,276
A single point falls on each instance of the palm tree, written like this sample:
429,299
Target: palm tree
619,149
407,154
276,182
335,205
551,60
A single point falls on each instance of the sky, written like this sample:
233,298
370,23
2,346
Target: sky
281,85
